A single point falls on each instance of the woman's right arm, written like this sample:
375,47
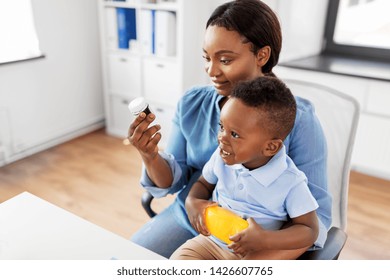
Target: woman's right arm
145,139
169,171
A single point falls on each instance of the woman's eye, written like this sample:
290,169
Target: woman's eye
220,127
235,135
225,61
206,58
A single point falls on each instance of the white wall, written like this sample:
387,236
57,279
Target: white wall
46,101
303,23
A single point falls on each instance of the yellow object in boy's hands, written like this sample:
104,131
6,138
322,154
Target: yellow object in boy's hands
223,223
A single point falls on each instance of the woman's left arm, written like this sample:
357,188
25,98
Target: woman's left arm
306,146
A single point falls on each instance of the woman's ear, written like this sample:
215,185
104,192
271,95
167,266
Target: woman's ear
272,147
263,55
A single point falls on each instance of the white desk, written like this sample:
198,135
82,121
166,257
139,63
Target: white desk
32,228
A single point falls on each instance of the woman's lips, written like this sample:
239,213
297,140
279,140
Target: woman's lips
220,85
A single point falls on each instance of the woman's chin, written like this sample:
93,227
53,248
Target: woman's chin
224,91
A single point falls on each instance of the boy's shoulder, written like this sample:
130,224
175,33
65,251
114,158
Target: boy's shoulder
293,172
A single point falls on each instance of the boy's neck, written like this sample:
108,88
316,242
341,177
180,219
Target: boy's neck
260,165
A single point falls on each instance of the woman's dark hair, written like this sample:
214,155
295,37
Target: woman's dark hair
255,21
273,99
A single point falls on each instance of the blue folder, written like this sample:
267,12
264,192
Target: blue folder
126,26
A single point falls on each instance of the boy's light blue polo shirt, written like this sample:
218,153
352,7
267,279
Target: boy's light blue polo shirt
269,194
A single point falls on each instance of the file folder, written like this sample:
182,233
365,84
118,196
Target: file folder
126,21
111,28
146,27
165,33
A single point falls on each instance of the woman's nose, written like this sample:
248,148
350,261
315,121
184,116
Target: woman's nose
212,69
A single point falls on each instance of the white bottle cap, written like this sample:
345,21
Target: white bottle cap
137,105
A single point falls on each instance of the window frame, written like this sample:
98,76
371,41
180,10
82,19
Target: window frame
330,47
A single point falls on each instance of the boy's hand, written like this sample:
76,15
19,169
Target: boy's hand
247,240
196,213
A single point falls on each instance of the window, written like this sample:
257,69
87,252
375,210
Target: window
18,37
358,28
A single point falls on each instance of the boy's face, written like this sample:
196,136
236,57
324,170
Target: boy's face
242,138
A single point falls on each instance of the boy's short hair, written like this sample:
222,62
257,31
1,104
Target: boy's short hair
273,99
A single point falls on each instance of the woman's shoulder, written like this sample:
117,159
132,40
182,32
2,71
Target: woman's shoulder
304,105
306,120
305,111
199,94
198,97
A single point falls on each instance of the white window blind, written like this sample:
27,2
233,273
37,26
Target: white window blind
18,36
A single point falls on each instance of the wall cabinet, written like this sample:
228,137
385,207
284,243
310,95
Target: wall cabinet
159,62
124,74
371,154
160,80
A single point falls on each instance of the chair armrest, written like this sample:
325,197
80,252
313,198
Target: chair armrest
332,248
146,202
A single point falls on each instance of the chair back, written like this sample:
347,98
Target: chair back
338,114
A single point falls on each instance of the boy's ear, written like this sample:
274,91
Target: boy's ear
272,147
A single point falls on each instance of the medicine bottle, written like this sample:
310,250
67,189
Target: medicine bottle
139,105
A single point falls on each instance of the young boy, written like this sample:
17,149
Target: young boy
251,175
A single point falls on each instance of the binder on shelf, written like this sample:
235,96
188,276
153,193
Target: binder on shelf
111,28
126,22
153,31
165,33
165,1
146,30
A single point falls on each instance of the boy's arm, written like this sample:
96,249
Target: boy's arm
196,203
302,233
